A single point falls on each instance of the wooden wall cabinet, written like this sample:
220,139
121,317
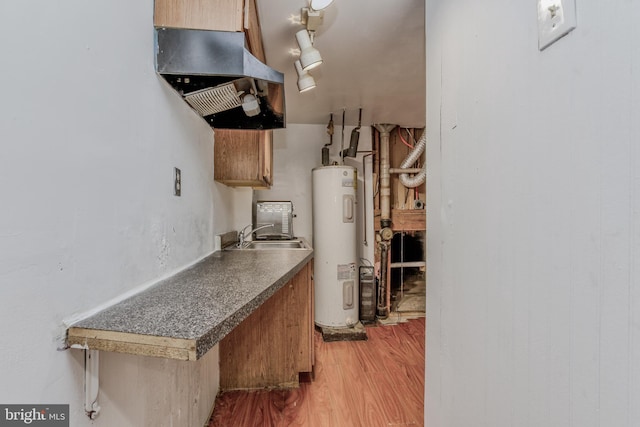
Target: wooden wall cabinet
272,346
243,158
220,15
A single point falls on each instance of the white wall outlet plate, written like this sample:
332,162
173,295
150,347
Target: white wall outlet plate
556,18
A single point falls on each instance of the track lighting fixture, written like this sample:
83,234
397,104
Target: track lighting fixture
311,17
305,80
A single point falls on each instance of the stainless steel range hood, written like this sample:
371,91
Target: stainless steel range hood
215,74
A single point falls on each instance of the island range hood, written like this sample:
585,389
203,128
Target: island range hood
220,79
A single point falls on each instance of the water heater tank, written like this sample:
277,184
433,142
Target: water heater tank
334,244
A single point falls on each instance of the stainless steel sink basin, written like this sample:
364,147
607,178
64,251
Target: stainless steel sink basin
290,244
272,244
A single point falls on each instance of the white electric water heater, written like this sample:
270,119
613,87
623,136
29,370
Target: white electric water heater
334,244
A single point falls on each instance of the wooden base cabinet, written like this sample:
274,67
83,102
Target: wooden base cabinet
272,346
243,158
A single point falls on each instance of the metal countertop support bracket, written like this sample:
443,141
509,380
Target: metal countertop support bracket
91,382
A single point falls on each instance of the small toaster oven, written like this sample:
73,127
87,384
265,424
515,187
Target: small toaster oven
280,214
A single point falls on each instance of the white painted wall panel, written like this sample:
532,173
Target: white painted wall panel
90,136
533,213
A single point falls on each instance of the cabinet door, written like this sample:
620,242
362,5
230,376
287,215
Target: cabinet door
243,157
301,309
222,15
253,33
267,158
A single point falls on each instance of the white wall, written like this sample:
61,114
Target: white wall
90,136
533,212
297,149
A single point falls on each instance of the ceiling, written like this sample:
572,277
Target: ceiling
373,57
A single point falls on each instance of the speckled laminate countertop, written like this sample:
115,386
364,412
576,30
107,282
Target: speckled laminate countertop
197,306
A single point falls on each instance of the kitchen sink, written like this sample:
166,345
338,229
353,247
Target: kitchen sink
290,244
272,244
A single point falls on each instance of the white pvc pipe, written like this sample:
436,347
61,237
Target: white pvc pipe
408,170
385,176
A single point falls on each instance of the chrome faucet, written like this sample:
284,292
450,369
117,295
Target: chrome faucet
242,235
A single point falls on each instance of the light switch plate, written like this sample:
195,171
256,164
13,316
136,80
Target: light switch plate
556,19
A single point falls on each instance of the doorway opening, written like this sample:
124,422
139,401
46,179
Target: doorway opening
400,221
408,268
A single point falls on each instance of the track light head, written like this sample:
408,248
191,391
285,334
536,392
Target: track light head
305,80
309,56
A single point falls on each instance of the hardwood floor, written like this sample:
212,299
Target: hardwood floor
378,382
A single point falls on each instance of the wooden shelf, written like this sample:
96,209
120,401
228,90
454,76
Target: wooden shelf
404,219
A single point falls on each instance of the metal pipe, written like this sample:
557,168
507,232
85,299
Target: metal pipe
364,196
385,177
352,151
342,141
325,149
382,309
91,382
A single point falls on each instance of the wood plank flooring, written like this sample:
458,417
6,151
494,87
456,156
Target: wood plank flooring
378,382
